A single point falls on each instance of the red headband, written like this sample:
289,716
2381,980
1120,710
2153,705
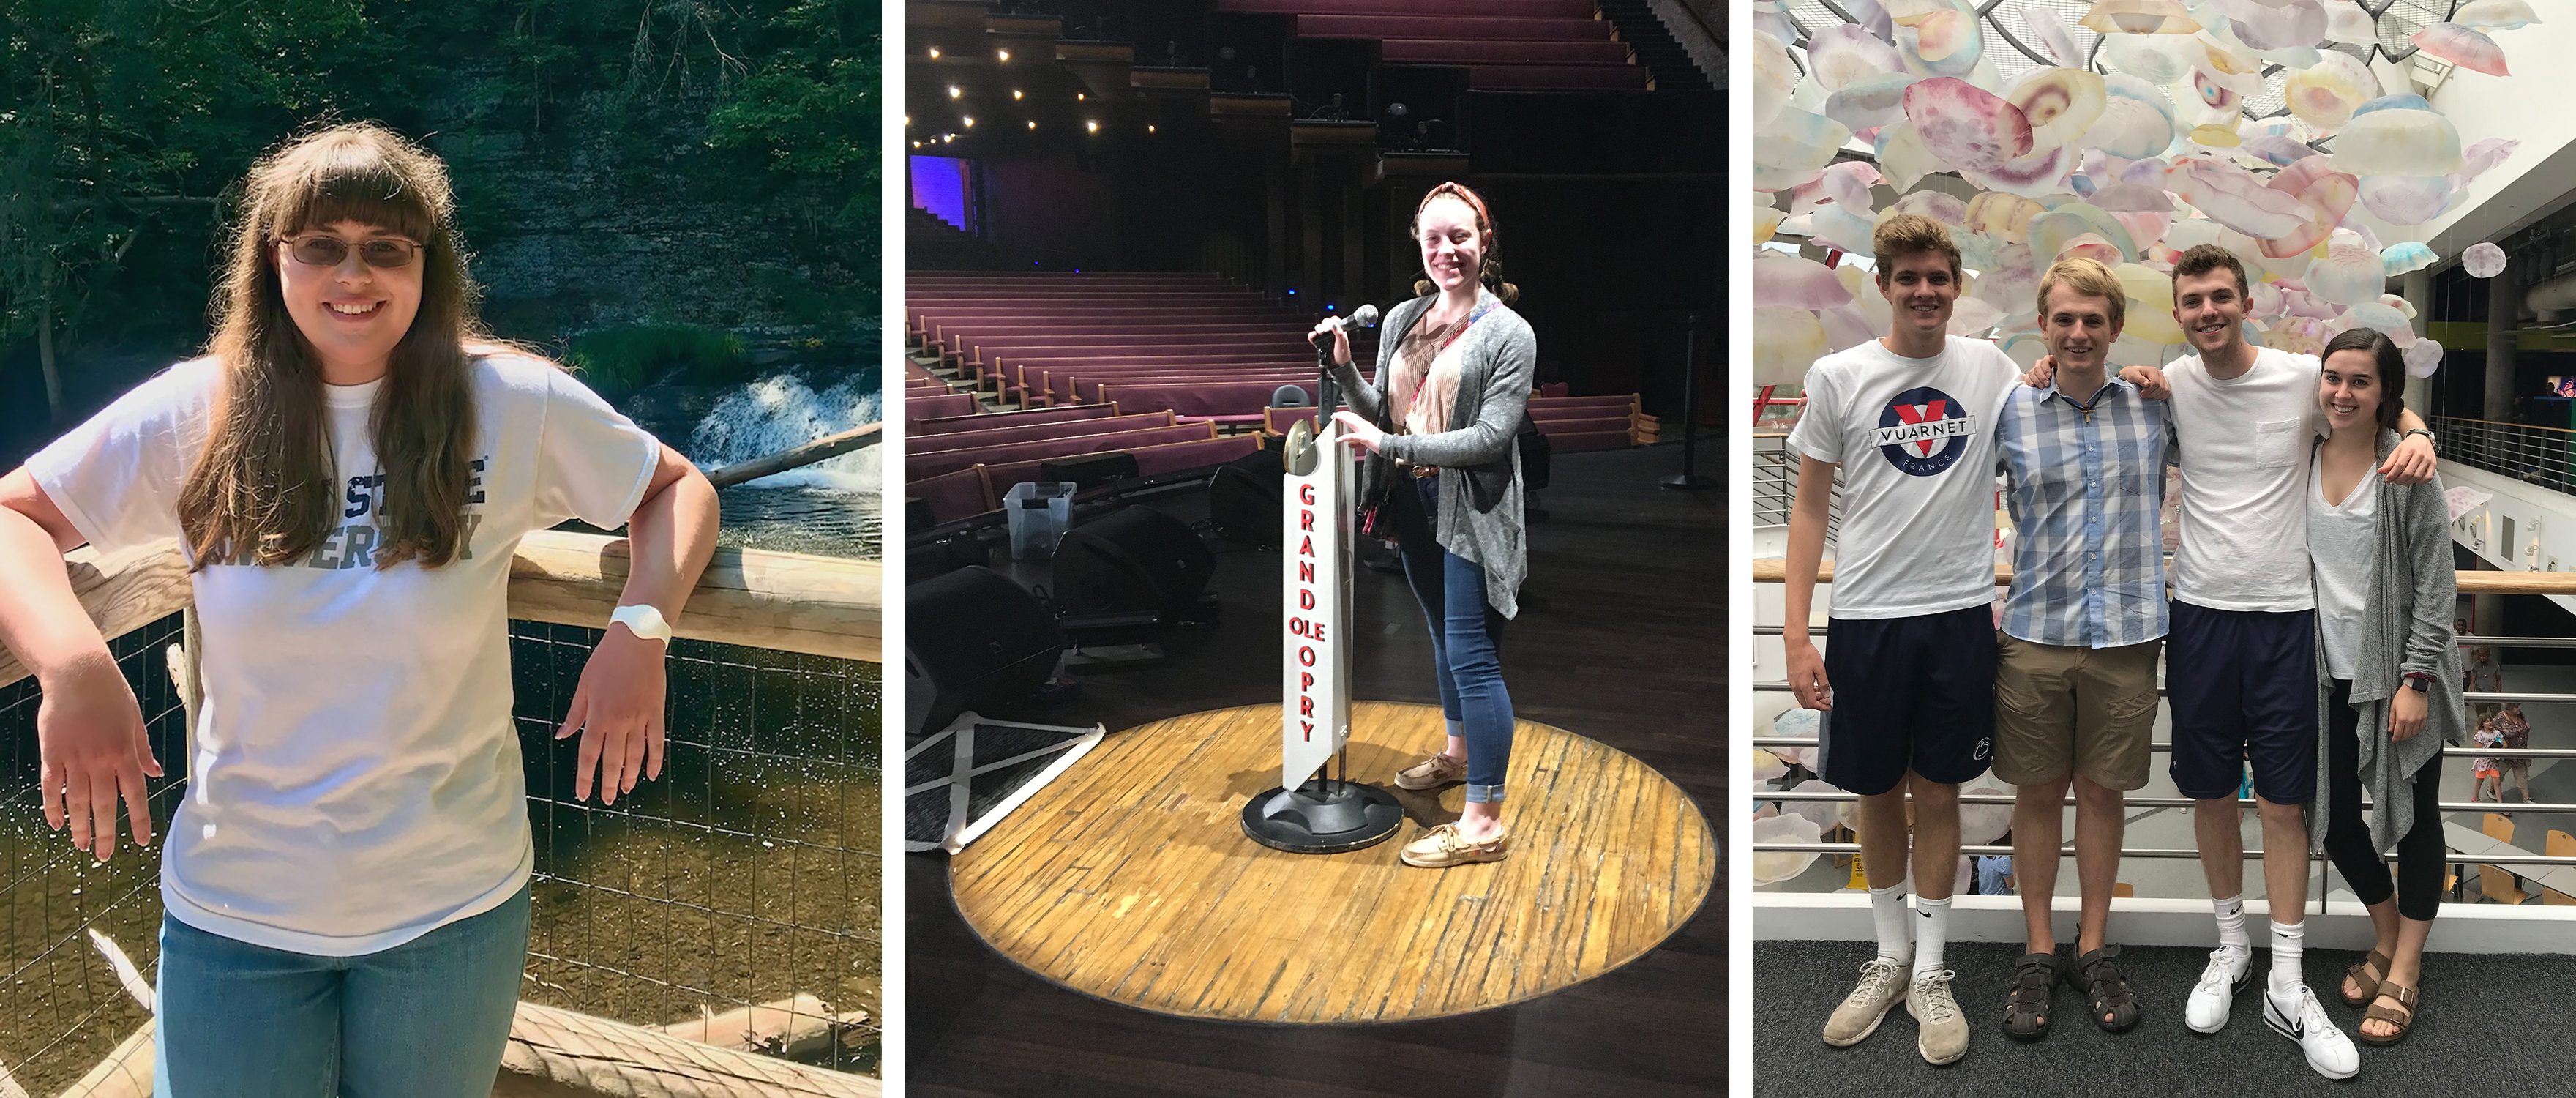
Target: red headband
1484,220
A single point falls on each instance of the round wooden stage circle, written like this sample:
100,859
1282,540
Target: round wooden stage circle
1129,878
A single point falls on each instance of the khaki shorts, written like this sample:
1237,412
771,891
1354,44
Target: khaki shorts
2061,708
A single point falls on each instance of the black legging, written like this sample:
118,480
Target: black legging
2422,856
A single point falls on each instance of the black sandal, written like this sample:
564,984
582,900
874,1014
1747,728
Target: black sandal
2098,976
2027,1000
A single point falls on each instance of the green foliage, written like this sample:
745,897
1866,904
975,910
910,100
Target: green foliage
619,361
125,127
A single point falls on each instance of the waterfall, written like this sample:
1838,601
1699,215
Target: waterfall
775,413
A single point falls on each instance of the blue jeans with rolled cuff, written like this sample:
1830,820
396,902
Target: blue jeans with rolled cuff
428,1018
1466,636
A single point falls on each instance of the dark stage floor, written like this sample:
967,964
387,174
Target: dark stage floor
1620,638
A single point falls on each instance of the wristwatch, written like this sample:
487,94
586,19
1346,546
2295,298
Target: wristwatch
2420,683
643,621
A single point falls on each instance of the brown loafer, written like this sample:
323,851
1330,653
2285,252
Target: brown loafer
1432,773
1442,847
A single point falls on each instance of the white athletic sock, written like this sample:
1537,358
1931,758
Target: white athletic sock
1887,913
1932,931
2231,923
2288,941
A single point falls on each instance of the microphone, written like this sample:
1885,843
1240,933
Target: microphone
1363,317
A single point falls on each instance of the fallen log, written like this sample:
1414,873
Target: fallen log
802,1027
821,449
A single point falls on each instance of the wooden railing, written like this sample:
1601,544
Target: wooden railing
825,606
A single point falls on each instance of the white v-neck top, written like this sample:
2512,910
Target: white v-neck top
2341,537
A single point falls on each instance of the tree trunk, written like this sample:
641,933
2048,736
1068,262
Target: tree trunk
45,358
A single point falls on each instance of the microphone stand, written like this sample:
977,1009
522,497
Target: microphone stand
1689,479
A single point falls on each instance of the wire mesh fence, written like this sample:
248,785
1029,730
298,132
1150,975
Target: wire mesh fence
748,874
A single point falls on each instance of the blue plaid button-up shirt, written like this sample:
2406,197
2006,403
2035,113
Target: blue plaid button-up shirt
2087,489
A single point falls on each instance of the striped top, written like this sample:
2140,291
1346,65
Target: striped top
2087,487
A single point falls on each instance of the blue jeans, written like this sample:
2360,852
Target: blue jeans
426,1019
1466,636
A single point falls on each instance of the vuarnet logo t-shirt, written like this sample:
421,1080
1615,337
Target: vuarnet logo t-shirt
1916,441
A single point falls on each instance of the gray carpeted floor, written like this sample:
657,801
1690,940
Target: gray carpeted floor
2490,1024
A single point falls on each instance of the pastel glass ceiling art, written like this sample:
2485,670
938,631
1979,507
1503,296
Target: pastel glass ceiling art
2123,130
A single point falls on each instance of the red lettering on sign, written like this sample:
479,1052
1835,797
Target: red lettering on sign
1305,598
1305,680
1319,639
1306,656
1305,571
1306,548
1305,707
1305,520
1306,494
1309,727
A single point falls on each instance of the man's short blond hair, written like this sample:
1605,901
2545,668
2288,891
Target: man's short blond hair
1912,234
2087,278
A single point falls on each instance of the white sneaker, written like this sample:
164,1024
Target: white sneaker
2303,1020
1943,1036
2205,1011
1882,985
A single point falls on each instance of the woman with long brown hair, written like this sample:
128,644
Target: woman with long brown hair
347,470
1453,385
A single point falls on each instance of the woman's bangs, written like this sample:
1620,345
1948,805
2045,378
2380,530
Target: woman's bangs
352,184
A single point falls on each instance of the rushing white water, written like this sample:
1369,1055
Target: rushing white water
775,413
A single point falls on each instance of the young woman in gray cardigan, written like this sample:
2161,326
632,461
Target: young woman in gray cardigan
2388,689
1453,378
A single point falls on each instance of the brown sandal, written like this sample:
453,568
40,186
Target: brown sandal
2403,1014
2361,978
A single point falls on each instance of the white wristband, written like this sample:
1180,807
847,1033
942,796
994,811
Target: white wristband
643,621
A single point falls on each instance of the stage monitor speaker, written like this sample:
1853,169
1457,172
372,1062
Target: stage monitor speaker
1090,470
972,639
1131,560
1244,497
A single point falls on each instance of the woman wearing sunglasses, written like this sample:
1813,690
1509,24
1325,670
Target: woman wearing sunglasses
2388,691
1454,369
348,471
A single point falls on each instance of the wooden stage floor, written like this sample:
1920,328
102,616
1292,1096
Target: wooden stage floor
1130,878
1621,637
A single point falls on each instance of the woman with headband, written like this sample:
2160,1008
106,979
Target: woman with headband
1453,382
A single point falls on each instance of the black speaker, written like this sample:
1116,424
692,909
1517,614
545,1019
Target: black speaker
1537,454
972,638
1090,470
1244,498
1131,560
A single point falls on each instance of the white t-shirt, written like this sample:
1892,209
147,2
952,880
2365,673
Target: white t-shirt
2244,444
356,780
1916,441
2342,539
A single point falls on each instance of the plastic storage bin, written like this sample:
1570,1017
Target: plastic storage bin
1041,511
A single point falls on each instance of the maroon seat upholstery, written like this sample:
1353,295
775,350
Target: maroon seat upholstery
1178,457
953,495
1032,432
918,466
953,404
997,420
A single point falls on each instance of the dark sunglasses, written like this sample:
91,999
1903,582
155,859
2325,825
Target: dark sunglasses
382,253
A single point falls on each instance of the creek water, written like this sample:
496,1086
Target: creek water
831,507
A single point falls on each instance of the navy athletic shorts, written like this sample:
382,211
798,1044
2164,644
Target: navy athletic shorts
1909,694
2243,688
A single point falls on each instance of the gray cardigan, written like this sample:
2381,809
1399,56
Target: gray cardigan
1498,358
2406,627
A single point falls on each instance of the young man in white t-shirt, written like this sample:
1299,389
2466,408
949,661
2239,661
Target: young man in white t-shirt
1908,684
2240,668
